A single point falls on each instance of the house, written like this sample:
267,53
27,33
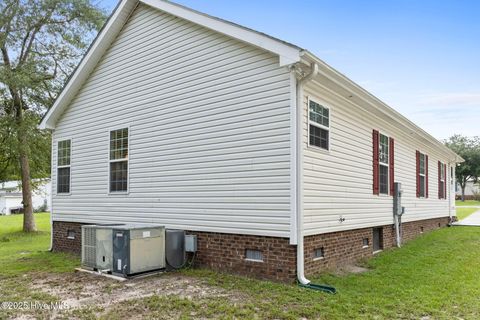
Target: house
11,200
281,165
472,189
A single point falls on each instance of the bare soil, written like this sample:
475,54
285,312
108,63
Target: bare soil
81,290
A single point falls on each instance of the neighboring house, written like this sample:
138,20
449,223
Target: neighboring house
471,189
10,202
255,145
11,197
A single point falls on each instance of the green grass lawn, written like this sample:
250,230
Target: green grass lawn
436,276
460,203
23,252
462,213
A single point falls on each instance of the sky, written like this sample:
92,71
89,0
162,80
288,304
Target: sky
421,57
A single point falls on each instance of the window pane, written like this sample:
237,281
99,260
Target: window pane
119,144
318,137
422,186
319,114
118,176
422,163
63,154
383,149
383,179
442,189
63,180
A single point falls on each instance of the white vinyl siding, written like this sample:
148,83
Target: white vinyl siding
209,132
338,184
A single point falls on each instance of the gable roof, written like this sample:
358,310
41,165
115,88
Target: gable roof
288,53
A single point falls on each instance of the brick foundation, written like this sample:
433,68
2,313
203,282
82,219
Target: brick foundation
226,252
61,242
347,247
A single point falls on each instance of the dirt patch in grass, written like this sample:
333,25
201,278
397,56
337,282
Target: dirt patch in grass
87,295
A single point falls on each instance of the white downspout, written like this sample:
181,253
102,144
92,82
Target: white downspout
51,197
451,191
299,165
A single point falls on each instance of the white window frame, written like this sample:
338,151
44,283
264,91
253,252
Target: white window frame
318,125
64,166
424,174
126,192
444,180
380,163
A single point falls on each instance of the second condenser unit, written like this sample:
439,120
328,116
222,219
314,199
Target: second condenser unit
138,249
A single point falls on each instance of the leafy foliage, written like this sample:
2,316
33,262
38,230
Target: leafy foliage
41,42
469,150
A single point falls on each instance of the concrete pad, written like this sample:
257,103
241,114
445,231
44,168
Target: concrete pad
471,220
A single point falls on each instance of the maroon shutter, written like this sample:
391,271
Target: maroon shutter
445,183
392,164
426,176
376,184
418,173
439,180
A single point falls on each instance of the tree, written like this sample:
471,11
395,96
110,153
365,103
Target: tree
468,149
40,44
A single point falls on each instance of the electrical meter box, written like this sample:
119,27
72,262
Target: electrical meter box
138,249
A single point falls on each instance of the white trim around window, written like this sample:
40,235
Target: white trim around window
424,174
126,159
322,126
63,166
443,179
382,156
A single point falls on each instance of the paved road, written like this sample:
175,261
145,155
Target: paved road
471,220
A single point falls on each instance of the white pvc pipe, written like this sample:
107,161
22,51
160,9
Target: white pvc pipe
397,230
299,149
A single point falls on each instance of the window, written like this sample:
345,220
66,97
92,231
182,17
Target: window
319,125
383,163
253,255
319,253
366,242
422,175
119,160
377,239
71,234
63,166
441,180
451,175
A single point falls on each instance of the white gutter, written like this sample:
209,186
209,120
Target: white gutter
299,165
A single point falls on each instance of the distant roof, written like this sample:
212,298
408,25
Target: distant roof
10,194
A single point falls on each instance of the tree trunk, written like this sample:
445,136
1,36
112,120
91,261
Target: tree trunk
463,192
28,218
